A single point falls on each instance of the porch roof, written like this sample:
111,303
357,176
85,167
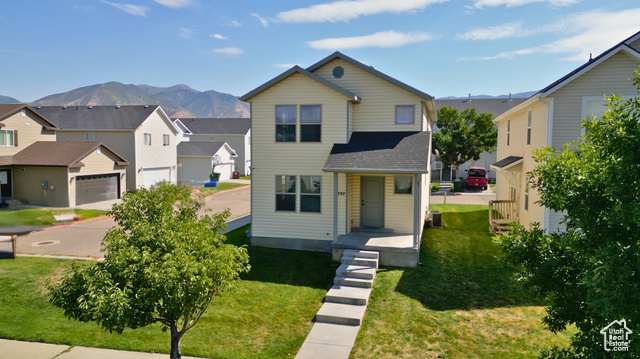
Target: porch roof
507,162
381,152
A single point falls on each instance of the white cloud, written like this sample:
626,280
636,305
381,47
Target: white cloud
219,37
174,3
229,51
128,8
185,33
233,23
345,10
379,39
478,4
584,33
285,66
263,21
504,31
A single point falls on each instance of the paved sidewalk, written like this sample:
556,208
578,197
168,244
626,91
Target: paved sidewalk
15,349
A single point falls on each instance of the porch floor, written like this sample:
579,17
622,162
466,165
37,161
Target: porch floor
395,249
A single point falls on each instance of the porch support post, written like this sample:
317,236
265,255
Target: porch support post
417,193
335,207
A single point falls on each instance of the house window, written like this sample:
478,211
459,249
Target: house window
402,184
526,194
286,193
404,114
310,193
23,113
529,127
147,139
6,138
285,123
310,123
508,131
165,140
89,136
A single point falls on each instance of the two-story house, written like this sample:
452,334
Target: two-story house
37,169
142,134
340,155
236,132
552,117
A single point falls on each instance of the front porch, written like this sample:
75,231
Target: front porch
395,249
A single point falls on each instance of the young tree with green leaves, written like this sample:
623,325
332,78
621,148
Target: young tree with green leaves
463,136
590,274
164,263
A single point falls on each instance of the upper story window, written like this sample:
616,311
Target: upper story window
529,127
7,138
286,123
405,114
147,139
165,140
526,193
89,136
286,193
508,131
310,123
23,113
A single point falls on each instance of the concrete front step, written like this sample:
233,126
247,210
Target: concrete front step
341,313
360,253
353,282
348,295
356,271
360,261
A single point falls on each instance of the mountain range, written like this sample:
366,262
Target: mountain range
177,101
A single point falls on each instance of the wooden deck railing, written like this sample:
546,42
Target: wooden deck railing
501,213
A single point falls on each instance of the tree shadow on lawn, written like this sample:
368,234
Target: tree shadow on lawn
283,266
462,269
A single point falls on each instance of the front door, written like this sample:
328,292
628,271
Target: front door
5,183
446,173
372,202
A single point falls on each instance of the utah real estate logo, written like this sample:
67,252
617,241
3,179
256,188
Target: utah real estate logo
616,336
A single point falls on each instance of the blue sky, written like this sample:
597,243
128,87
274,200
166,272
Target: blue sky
442,47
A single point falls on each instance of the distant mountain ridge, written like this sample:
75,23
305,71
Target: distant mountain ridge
177,101
526,94
6,100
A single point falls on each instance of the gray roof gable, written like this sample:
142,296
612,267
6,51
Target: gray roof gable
97,117
217,126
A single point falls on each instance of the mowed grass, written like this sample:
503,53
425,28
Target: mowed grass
41,216
222,186
463,303
267,315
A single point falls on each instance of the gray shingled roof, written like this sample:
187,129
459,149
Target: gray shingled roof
96,117
507,162
382,152
59,154
217,126
494,106
199,149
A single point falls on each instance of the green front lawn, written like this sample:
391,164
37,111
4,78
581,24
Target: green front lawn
267,315
463,303
41,216
222,186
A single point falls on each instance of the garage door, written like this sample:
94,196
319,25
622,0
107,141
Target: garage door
97,188
151,176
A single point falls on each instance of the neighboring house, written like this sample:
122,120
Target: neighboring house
341,154
441,172
236,132
552,117
37,169
144,135
196,161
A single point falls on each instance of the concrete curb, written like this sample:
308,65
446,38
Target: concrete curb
76,222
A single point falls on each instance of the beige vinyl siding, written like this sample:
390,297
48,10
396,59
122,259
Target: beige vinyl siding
376,111
29,130
27,185
96,164
271,158
609,77
155,155
121,142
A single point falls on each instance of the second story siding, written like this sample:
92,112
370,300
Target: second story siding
21,130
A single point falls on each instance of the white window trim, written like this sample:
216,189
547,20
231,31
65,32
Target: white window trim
168,138
13,135
529,126
147,135
395,115
508,132
294,193
299,194
401,193
300,124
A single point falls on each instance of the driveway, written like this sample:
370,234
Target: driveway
83,239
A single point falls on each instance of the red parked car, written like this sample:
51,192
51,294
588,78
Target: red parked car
477,178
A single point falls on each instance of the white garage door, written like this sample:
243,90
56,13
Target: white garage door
151,176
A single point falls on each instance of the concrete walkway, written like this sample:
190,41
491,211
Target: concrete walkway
15,349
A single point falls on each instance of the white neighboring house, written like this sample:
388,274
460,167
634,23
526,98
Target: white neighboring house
143,134
236,132
496,106
196,160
